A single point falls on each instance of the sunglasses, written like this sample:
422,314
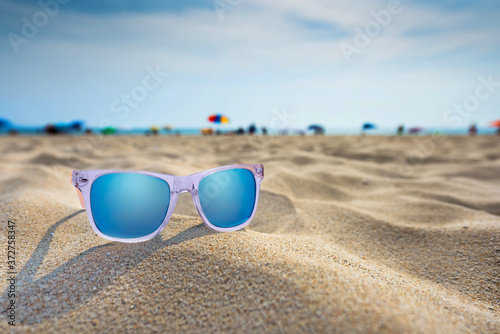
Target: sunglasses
133,206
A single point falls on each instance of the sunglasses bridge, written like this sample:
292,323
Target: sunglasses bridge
183,184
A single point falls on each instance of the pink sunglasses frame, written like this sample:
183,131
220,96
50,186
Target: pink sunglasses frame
82,180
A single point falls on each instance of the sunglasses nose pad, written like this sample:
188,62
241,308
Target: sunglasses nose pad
183,185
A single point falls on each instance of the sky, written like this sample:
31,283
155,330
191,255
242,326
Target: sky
281,63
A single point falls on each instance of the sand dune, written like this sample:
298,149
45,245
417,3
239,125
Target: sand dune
357,234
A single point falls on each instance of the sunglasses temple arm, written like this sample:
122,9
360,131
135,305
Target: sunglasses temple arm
80,197
79,193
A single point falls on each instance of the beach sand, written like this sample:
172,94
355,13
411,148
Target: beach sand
352,234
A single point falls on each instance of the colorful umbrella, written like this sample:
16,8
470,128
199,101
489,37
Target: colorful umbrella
108,130
314,127
415,130
76,125
154,130
318,129
495,124
369,126
207,131
218,118
4,123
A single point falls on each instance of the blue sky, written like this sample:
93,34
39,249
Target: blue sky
252,60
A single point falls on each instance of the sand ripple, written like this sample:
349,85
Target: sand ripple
352,234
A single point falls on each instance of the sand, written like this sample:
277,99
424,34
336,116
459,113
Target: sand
352,234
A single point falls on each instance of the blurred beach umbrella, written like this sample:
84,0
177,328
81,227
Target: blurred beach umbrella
4,123
109,130
154,130
369,126
415,130
495,124
207,131
76,125
314,127
318,129
218,118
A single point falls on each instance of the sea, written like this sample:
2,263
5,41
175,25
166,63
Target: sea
39,131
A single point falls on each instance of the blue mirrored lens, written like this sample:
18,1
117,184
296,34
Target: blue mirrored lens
128,205
227,197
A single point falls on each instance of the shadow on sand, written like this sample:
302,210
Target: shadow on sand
44,293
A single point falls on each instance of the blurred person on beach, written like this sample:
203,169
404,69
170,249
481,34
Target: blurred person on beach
252,129
51,129
401,130
473,130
